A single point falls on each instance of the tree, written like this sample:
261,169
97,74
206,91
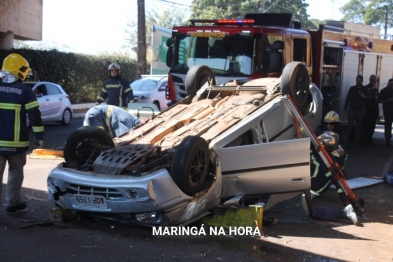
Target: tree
167,19
372,12
217,9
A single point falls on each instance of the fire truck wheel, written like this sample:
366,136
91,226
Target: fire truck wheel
196,77
190,164
81,144
295,81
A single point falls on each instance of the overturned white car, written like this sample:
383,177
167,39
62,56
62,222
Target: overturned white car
238,139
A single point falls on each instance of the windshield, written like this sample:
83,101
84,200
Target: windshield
225,56
143,85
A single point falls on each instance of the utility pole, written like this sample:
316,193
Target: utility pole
262,7
142,64
386,23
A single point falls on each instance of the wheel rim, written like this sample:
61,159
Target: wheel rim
84,149
301,90
67,116
198,166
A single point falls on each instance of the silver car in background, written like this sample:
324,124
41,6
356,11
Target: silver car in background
54,102
150,89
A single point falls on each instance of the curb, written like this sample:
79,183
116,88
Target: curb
79,110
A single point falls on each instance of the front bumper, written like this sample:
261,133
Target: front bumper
129,198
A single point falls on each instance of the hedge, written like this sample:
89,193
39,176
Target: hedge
81,76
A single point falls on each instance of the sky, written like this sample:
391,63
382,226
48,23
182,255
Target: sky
94,26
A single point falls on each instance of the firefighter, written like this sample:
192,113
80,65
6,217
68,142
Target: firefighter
321,177
16,100
331,122
116,90
114,120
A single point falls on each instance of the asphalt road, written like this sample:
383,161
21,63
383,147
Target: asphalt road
85,239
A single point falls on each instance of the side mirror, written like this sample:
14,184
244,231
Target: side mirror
39,94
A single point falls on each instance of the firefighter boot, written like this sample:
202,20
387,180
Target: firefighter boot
349,213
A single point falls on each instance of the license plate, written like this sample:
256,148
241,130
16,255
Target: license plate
90,201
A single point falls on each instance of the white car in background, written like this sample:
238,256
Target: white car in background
54,102
150,89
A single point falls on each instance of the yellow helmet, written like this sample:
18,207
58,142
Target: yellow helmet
17,65
330,140
332,117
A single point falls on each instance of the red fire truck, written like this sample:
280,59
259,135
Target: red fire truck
260,45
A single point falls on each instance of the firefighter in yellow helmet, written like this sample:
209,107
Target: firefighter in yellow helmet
16,100
331,122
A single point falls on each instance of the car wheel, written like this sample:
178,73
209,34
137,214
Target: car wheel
190,164
196,77
295,81
157,104
67,117
83,142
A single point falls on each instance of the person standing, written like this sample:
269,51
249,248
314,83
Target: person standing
371,115
116,90
356,102
16,100
386,98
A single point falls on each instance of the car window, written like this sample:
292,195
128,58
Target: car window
40,89
143,85
163,85
52,89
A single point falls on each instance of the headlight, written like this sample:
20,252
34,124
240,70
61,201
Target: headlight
148,218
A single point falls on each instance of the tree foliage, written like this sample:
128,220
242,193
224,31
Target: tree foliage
167,18
218,9
81,76
371,12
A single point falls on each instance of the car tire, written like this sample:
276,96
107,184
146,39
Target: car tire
196,77
190,164
67,117
157,104
80,144
295,81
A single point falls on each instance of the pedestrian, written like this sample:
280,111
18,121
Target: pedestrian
371,115
114,120
331,122
116,90
355,105
16,100
321,176
386,98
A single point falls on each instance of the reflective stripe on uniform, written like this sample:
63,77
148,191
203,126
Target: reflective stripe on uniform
104,90
10,106
14,143
16,108
38,129
108,120
316,163
32,105
127,90
112,86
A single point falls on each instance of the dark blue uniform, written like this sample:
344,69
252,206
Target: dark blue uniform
116,91
17,99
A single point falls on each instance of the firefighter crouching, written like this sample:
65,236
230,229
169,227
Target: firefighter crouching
114,120
321,177
16,100
116,90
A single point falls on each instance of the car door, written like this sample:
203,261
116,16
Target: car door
53,100
43,100
256,158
